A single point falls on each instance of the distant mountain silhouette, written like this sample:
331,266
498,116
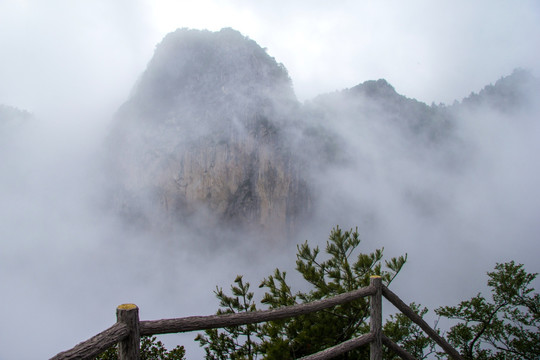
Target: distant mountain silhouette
11,116
508,94
212,134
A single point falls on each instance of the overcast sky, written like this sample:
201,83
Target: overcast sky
59,55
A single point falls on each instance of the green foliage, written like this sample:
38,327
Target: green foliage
505,327
233,342
151,349
342,270
408,335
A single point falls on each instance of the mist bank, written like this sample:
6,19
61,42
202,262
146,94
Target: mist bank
456,193
99,212
213,135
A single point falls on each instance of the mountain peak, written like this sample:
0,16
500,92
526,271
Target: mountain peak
375,89
205,132
12,117
210,68
508,93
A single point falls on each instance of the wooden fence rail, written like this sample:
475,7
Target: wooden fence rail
128,329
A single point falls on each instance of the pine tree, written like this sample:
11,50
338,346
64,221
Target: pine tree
343,270
505,327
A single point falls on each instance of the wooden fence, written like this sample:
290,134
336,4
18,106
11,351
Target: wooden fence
128,329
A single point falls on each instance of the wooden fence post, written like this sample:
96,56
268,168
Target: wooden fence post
128,349
375,319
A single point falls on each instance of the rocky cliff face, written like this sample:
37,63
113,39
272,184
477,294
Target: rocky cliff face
206,132
212,135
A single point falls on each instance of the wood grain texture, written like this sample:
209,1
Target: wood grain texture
95,345
375,321
128,329
397,302
128,348
396,348
341,348
195,323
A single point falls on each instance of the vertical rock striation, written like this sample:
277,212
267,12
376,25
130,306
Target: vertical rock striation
206,134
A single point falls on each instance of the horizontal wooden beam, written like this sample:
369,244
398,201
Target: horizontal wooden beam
94,346
195,323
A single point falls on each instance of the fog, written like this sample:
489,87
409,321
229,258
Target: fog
66,261
456,207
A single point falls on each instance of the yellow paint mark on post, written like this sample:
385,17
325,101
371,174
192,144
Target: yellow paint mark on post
127,306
